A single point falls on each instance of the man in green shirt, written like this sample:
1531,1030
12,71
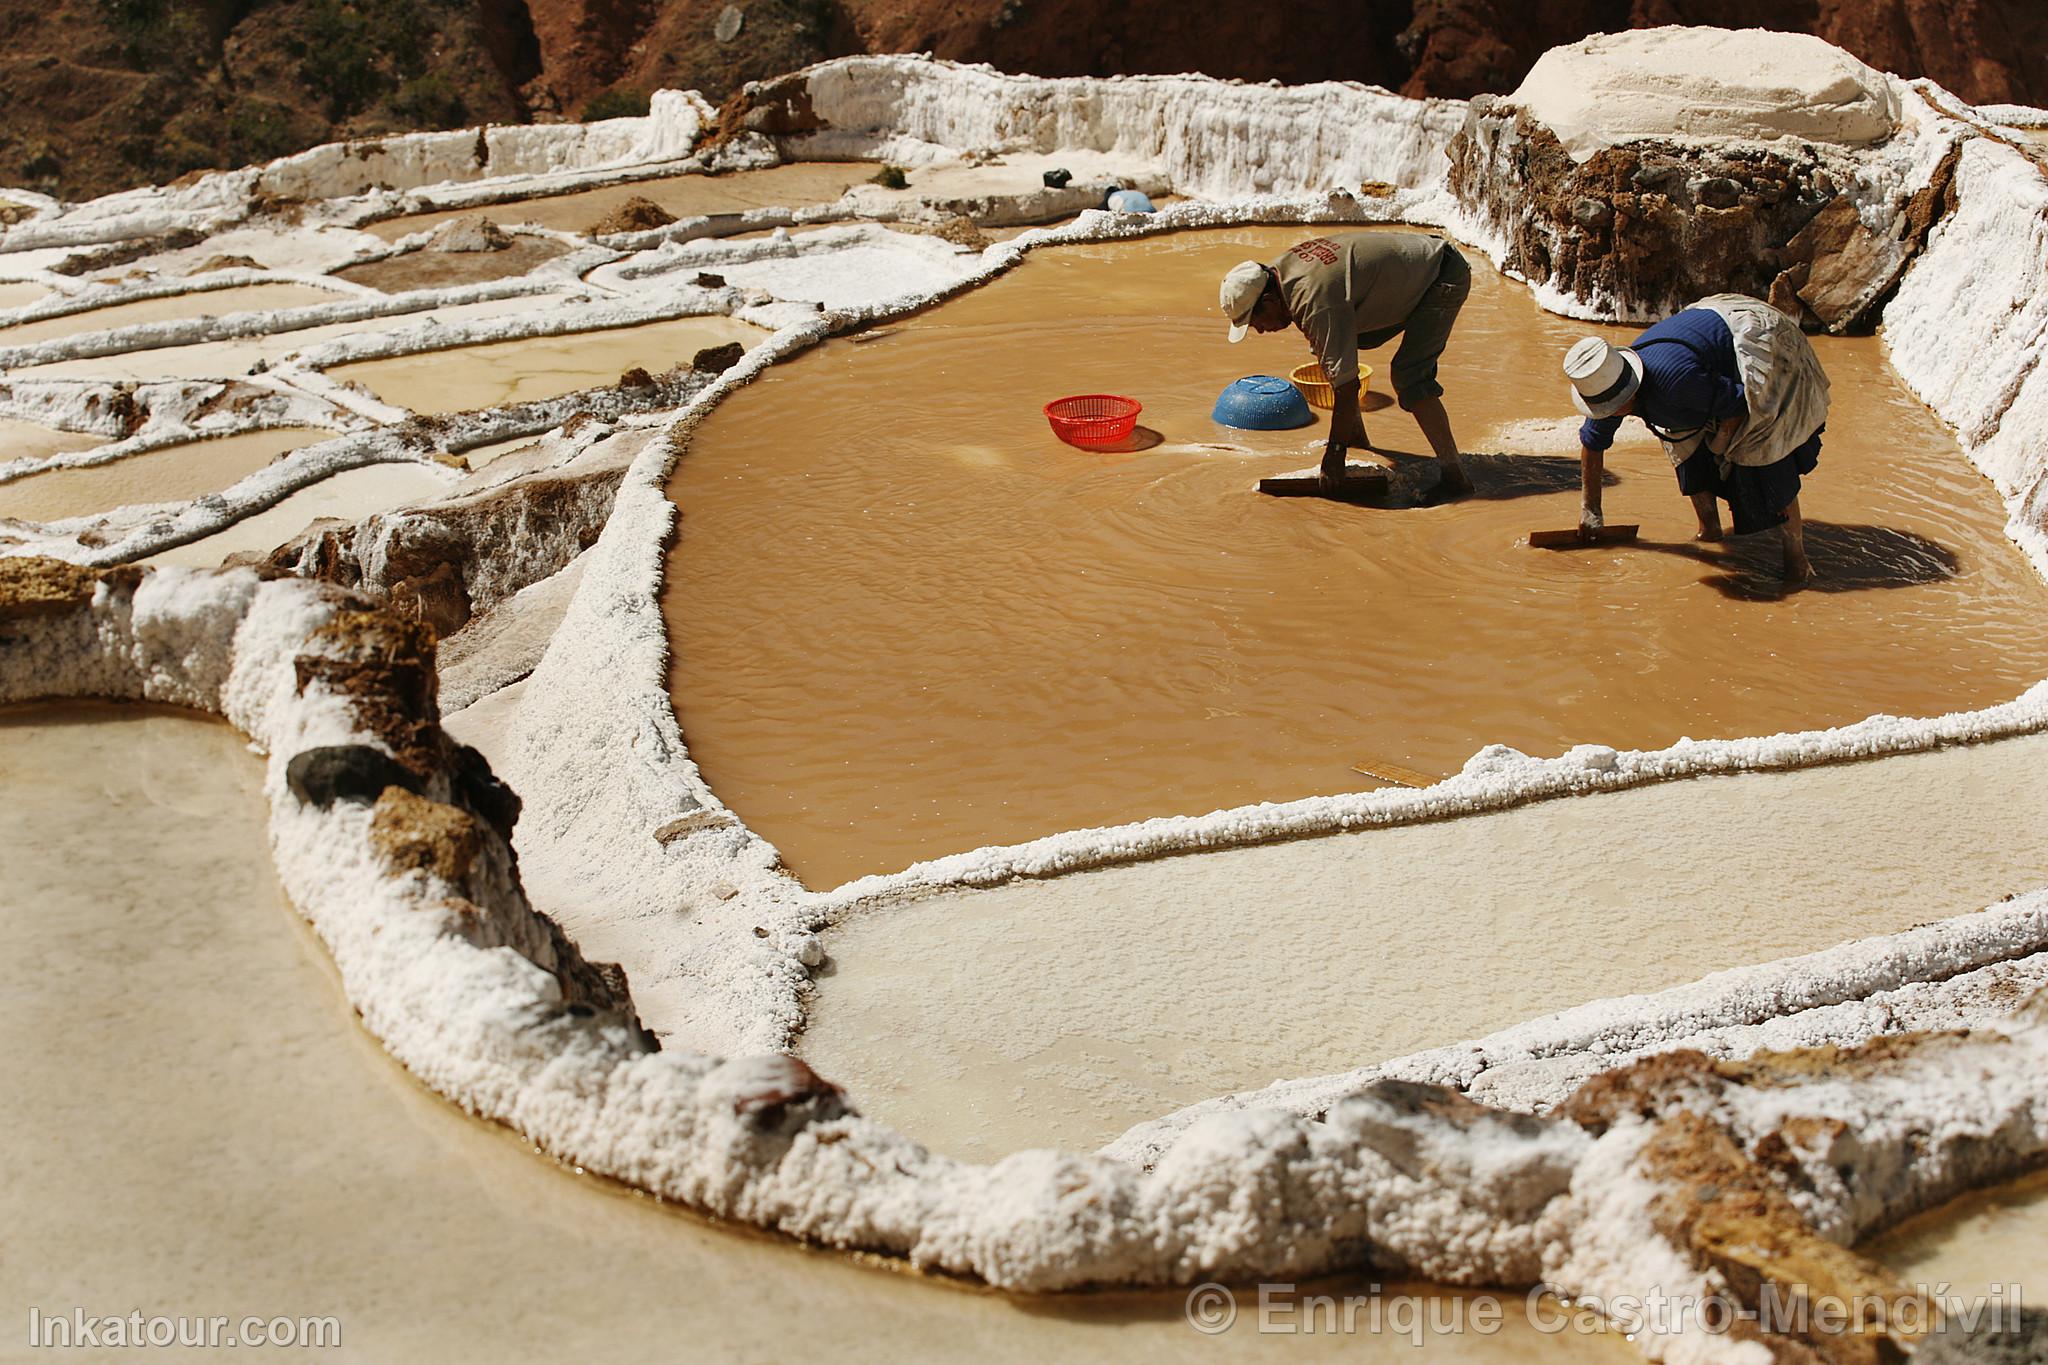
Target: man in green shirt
1357,291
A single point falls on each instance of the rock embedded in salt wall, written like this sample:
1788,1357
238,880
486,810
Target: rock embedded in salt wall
1644,171
1651,226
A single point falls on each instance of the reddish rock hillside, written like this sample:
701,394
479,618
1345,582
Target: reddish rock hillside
96,95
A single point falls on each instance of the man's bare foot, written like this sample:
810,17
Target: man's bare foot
1455,484
1798,570
1709,532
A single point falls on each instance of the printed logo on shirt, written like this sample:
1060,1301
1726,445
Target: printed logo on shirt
1320,249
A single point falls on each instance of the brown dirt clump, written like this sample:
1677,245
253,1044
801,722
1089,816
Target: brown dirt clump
31,585
1665,1081
717,359
635,215
414,834
225,262
959,230
1813,1300
385,667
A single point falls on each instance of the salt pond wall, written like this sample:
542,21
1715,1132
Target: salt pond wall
1208,137
1968,329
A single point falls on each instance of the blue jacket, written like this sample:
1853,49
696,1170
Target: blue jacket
1689,378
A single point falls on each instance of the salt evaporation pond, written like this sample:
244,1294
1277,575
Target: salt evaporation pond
252,298
501,372
347,496
682,196
450,269
21,440
230,1140
1057,1013
921,624
245,355
167,474
1986,1239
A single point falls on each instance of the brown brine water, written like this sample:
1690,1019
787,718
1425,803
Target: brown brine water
907,621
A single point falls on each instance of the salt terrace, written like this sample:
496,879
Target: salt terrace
716,733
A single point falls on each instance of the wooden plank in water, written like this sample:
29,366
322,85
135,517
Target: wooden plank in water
1394,772
1579,538
1361,482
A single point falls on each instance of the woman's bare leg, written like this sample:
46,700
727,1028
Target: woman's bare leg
1798,569
1709,512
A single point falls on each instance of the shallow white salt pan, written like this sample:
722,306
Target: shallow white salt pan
204,303
20,293
31,440
1991,1237
210,1130
168,474
349,496
1059,1013
229,359
500,372
480,456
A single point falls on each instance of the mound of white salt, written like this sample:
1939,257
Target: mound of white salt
1707,84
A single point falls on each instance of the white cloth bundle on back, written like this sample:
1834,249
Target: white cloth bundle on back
1782,381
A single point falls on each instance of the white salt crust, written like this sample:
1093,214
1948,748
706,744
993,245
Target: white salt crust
596,752
1259,1192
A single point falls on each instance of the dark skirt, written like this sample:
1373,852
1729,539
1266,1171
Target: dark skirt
1757,495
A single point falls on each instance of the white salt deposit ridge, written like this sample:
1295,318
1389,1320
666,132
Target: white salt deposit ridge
594,749
1701,85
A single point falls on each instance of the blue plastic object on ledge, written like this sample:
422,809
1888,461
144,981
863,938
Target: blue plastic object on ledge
1262,402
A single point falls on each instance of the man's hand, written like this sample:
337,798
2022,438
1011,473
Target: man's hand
1347,425
1332,471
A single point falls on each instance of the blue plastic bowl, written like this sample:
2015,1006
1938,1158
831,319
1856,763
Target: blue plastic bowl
1130,201
1262,402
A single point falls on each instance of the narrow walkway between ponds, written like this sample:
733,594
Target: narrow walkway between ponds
196,1124
1061,1012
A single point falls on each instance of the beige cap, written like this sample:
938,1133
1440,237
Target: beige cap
1241,290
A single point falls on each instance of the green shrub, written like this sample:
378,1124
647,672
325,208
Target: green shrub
259,130
429,101
617,102
355,54
891,178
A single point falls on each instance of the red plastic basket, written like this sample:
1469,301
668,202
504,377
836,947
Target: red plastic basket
1093,419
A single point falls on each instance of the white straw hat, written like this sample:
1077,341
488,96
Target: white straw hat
1603,377
1241,290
